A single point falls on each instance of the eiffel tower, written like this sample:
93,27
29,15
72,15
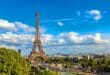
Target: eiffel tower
37,44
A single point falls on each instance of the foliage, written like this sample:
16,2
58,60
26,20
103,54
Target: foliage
60,60
12,63
49,73
38,71
99,65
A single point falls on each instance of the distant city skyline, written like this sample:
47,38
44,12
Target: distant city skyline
70,26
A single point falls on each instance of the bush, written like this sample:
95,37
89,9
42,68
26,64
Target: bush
12,63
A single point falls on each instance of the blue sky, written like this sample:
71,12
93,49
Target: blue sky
24,11
63,22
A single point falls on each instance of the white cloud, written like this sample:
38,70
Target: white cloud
15,26
49,39
61,41
98,39
75,38
24,27
94,39
71,37
46,38
96,14
60,23
16,39
25,41
4,24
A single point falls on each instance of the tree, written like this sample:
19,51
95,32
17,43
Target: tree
12,63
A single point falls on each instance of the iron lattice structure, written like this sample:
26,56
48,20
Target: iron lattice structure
37,44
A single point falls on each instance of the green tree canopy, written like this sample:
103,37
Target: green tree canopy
12,63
